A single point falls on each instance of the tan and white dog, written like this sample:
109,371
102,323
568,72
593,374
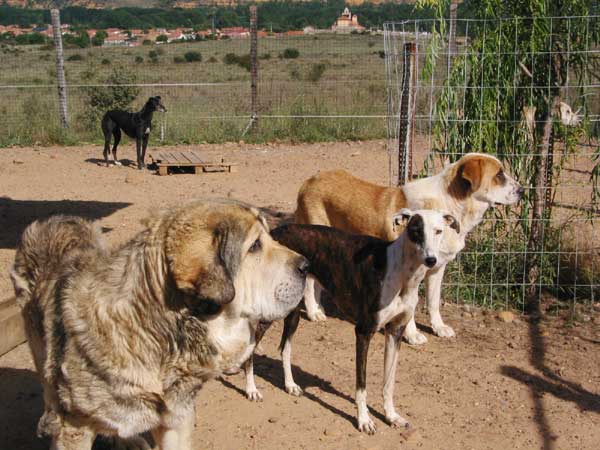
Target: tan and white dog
123,340
466,189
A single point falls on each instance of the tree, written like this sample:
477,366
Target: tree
99,38
504,94
162,38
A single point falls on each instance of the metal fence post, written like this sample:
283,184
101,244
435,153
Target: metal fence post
60,68
407,114
254,65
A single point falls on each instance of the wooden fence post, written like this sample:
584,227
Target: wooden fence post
407,114
60,68
254,65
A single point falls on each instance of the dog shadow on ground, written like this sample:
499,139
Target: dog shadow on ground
21,406
271,371
546,381
16,215
100,162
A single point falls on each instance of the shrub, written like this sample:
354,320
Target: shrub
212,59
146,42
230,58
193,56
244,61
75,57
105,62
291,53
139,59
153,54
98,100
178,59
316,72
162,38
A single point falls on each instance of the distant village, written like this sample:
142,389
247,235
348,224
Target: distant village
346,23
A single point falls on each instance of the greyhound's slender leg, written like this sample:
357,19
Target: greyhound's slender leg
363,339
290,325
144,146
252,392
107,131
117,135
393,339
138,152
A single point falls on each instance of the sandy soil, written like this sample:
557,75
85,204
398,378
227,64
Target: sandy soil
524,384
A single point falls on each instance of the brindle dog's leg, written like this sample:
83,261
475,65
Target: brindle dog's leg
393,339
290,325
252,392
363,339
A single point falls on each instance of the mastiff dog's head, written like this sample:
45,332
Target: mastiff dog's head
220,253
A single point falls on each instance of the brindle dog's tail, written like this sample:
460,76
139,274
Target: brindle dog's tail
47,245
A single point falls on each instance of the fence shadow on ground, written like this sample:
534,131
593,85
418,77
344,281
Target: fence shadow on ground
15,215
548,382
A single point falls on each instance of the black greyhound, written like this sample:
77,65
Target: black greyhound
136,125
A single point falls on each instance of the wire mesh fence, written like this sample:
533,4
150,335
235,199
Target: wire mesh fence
528,91
310,87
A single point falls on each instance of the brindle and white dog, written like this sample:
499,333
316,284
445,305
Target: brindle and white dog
374,283
466,189
123,340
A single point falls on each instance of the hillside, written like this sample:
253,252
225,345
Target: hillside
99,4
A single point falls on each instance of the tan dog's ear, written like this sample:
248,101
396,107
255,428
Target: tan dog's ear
203,265
472,172
452,222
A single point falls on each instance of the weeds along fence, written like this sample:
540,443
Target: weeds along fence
528,91
310,88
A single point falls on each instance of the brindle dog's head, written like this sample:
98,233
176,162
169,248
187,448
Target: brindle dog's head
425,230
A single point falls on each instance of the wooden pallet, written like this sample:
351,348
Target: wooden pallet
166,159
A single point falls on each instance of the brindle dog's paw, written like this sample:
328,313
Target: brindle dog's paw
416,338
254,396
367,426
316,316
294,389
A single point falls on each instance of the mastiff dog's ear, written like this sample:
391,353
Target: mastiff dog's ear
204,261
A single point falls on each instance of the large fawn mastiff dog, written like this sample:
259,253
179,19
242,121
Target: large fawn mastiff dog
124,339
465,189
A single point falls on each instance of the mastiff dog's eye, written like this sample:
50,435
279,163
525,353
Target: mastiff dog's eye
255,247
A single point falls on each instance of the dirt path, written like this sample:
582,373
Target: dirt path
498,385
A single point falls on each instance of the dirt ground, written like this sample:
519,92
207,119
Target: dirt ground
523,384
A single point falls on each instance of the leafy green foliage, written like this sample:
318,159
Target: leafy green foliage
193,56
117,94
290,53
520,58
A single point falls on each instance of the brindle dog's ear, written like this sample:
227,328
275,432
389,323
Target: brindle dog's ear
204,266
401,218
452,222
471,171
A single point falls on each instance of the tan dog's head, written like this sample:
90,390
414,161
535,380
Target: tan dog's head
220,251
482,177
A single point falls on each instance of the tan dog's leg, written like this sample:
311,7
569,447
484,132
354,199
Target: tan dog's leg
179,438
312,297
433,290
73,436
